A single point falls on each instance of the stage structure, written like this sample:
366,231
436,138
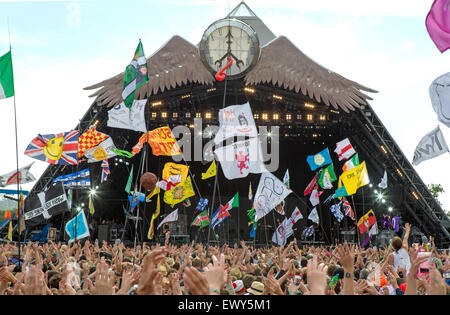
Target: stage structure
313,107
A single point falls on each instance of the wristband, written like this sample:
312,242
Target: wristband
215,291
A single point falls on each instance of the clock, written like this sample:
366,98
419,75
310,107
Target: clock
229,38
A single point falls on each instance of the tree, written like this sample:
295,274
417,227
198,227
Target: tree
436,190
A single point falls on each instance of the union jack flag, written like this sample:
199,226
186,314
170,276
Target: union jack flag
348,211
105,170
61,148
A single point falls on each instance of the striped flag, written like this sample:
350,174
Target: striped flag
61,148
105,170
352,163
135,75
308,231
344,149
6,76
201,220
348,211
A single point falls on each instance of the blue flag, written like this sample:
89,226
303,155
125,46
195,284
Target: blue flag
336,210
203,202
77,228
320,159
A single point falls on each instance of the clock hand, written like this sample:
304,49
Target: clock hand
219,61
238,61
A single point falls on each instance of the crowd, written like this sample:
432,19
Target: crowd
85,268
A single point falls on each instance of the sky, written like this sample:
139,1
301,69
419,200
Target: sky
60,47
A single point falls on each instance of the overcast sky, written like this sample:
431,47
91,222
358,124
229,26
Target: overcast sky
59,47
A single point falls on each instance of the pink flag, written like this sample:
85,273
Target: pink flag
438,24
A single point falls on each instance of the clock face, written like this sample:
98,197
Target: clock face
229,38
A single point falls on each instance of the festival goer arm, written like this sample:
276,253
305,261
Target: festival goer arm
104,280
195,282
346,258
437,284
407,229
317,277
215,274
148,283
411,283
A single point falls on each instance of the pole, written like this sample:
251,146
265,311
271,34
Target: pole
356,220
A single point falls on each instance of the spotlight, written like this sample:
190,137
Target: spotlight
370,185
269,134
82,204
390,209
375,191
92,192
380,196
383,201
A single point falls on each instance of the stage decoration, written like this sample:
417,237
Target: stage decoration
148,181
220,76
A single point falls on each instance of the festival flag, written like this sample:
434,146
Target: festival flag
311,186
270,193
104,150
366,221
83,174
120,116
170,182
320,159
440,98
250,193
236,120
234,202
61,148
351,163
280,208
151,230
41,207
154,192
219,216
6,76
355,178
202,203
344,149
336,210
383,183
396,223
308,231
78,227
135,198
286,179
91,205
241,158
314,198
438,24
172,169
372,231
129,181
24,176
179,193
69,198
10,231
314,216
251,215
105,171
327,177
135,75
348,211
172,217
90,139
430,146
295,216
339,193
201,220
211,171
161,140
282,233
187,202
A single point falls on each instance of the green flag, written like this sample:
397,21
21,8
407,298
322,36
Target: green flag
135,75
201,220
327,176
130,179
6,76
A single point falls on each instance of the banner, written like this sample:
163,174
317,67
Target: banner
241,158
78,227
23,176
271,191
160,140
236,120
282,233
430,146
45,205
120,116
172,217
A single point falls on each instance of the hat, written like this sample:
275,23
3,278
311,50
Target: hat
437,262
236,272
169,261
257,288
162,270
238,286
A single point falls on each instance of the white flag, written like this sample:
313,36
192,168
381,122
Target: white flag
344,149
236,120
271,192
314,198
295,216
431,146
105,150
383,183
172,217
282,233
24,176
121,116
241,158
440,98
314,216
170,182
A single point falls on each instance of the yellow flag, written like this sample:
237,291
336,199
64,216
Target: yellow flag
150,233
91,205
355,178
155,191
179,193
10,230
211,171
171,169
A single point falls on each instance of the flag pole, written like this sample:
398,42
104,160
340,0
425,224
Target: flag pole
17,146
356,222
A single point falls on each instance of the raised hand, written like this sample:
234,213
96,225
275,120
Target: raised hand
150,280
317,276
104,279
33,281
195,282
215,273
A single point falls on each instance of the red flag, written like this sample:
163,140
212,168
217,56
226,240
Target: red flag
311,186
